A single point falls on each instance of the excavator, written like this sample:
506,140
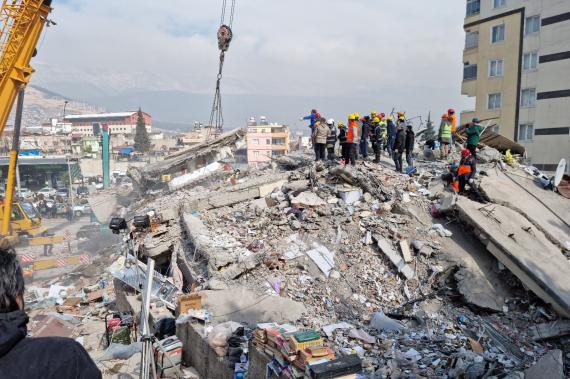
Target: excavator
21,23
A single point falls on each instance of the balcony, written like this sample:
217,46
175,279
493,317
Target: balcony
470,72
473,7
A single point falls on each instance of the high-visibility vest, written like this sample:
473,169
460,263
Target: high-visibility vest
446,130
453,124
464,170
455,186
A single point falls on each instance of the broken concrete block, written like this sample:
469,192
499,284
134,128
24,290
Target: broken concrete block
488,154
447,203
557,328
307,200
406,254
350,196
383,323
395,258
550,366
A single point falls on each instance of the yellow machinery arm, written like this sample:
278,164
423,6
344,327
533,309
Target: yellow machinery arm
22,24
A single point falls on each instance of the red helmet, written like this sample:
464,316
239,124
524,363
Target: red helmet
318,115
465,153
450,111
383,114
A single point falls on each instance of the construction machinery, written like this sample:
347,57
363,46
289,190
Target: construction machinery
22,22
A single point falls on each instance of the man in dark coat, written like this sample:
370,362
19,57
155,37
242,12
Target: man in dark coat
410,140
399,148
30,358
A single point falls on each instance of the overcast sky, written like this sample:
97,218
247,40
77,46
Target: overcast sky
378,53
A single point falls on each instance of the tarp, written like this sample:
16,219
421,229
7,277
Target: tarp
126,150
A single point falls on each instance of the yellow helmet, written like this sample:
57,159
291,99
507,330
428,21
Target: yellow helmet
352,117
376,120
373,113
401,118
401,114
356,116
340,124
390,118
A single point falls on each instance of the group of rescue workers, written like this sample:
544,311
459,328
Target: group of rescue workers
395,139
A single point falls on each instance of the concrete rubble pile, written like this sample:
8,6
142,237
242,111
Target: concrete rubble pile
299,264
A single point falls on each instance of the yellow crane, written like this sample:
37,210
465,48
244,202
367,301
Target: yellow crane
22,22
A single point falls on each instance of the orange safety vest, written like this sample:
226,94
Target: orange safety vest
455,186
453,124
464,170
350,132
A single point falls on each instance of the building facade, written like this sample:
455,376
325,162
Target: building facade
119,123
266,141
517,68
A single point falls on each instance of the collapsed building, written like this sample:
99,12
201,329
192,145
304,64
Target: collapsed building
390,269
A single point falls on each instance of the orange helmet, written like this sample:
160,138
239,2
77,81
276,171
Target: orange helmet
445,115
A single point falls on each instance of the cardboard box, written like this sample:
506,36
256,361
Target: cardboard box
188,301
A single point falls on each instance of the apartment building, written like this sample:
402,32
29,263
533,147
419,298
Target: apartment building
266,141
517,67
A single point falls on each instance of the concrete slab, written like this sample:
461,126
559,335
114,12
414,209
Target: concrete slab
501,189
406,270
523,249
242,305
550,366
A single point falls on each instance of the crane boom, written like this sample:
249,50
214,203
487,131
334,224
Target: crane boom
22,22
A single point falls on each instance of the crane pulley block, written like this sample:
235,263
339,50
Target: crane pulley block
225,36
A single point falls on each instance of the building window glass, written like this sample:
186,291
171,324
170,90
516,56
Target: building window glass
473,7
470,72
532,25
526,132
498,33
495,129
268,142
496,68
499,3
256,142
528,97
530,61
471,40
494,101
256,154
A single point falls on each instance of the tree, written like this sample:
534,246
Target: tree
142,140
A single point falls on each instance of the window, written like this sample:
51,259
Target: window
496,68
268,142
256,154
498,33
498,3
494,101
532,25
528,97
471,40
495,129
256,142
473,7
530,61
470,72
526,132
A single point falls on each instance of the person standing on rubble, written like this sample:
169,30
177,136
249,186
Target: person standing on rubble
391,134
313,118
473,132
331,140
453,120
399,147
24,357
445,135
383,132
320,139
352,140
364,135
376,138
410,141
342,131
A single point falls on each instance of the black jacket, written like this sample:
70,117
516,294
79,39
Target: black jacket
331,139
365,128
400,143
45,358
410,139
342,134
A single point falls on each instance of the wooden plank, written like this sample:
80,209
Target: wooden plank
405,247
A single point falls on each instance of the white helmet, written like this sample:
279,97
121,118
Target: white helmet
330,121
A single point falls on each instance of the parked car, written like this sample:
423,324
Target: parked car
26,193
82,191
47,192
63,192
80,210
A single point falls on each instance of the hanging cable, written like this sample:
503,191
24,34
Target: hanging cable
225,36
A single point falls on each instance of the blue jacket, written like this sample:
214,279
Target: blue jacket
391,129
313,119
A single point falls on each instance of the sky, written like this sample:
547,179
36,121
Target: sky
340,56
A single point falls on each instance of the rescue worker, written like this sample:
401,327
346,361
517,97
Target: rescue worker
383,132
364,135
445,135
391,134
312,119
399,147
410,141
352,139
342,130
320,139
453,120
466,175
331,140
473,132
376,138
